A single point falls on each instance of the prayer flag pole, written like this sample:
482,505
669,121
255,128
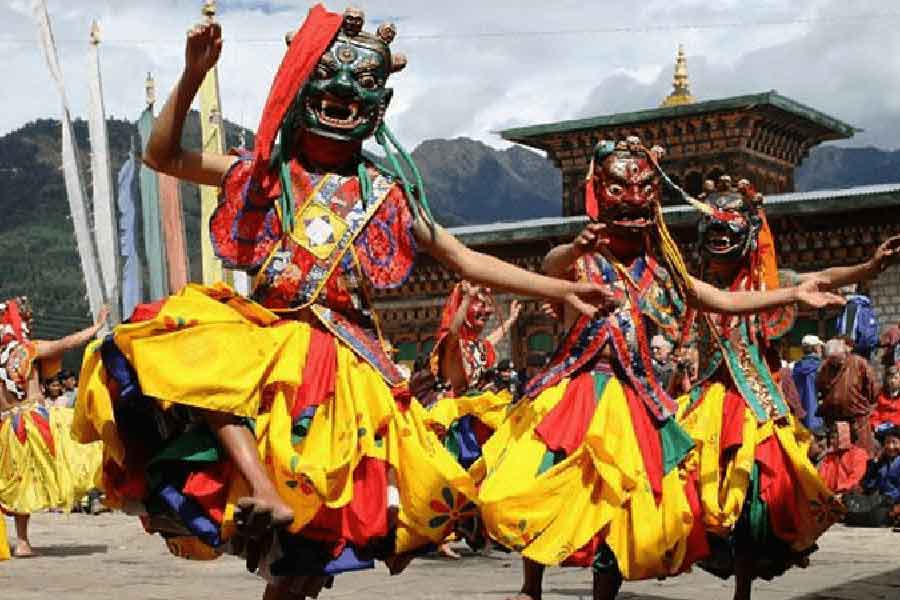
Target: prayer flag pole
105,228
212,133
87,252
154,245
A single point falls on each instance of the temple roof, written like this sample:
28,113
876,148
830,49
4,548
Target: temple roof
886,196
830,128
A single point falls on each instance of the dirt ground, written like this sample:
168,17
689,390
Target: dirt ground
109,557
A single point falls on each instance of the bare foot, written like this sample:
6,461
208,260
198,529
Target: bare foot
256,515
447,552
24,550
257,520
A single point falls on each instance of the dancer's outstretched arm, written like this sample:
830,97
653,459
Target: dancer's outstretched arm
164,152
812,294
54,348
495,336
468,293
490,271
887,254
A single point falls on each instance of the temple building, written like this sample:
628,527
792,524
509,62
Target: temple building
762,137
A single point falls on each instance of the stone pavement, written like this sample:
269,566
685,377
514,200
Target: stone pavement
109,557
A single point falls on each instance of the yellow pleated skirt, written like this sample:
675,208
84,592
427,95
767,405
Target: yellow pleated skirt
488,407
791,488
548,514
211,349
41,466
4,543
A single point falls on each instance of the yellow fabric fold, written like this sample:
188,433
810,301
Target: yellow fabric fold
213,351
601,487
38,473
489,407
723,488
4,544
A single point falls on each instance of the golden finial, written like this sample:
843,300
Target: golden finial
95,33
150,89
209,10
681,85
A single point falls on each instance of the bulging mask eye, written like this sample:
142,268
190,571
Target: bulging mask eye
614,189
648,189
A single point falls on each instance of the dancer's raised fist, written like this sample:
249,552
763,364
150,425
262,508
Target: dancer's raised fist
203,48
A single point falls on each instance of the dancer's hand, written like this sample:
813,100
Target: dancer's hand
591,299
101,318
888,253
551,310
590,239
812,294
203,48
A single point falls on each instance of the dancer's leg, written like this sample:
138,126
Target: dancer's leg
297,588
532,581
264,508
743,575
607,584
23,546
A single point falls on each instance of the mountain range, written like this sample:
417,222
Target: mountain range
467,182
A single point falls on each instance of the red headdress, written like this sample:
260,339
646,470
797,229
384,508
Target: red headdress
477,354
17,352
306,48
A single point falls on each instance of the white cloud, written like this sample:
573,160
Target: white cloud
472,85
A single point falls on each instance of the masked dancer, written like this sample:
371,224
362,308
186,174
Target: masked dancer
277,428
763,501
41,466
591,469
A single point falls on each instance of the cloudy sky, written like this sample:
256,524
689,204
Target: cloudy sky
477,67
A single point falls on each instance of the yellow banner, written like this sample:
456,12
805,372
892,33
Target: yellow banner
213,137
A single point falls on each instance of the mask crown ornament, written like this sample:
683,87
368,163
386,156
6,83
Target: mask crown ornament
387,32
730,231
354,21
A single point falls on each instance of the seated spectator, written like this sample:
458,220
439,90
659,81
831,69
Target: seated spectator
804,375
844,465
847,390
53,391
889,342
69,382
883,476
887,410
818,446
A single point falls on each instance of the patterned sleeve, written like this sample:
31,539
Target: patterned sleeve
386,248
788,278
245,226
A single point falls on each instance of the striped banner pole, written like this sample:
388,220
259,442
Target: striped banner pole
132,282
212,128
151,213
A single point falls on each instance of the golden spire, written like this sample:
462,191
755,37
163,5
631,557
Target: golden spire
681,85
150,88
209,10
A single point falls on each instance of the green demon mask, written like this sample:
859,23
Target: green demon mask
346,96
